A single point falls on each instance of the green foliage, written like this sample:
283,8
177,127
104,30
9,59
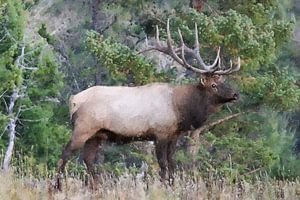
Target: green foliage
42,135
251,144
11,24
28,4
43,33
276,89
126,158
237,34
235,154
279,137
123,64
46,86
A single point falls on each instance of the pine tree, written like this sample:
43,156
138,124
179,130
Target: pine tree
30,84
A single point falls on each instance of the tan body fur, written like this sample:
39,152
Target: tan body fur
128,111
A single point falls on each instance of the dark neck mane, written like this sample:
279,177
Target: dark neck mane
193,105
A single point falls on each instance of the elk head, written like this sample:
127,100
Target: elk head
211,79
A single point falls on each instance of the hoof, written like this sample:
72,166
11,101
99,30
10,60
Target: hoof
57,186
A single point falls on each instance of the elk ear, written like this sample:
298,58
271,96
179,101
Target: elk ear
203,81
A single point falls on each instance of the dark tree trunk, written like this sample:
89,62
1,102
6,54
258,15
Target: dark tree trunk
197,5
95,10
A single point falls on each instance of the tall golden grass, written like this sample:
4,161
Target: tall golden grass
129,187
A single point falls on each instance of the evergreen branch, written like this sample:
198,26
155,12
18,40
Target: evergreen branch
49,99
29,68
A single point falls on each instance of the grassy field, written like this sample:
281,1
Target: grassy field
133,188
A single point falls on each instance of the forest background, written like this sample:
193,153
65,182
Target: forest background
52,49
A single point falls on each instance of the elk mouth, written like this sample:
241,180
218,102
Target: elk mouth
234,97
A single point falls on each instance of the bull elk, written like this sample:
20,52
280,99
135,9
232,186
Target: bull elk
159,111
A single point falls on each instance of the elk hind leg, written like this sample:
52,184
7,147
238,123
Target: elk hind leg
76,142
171,165
89,156
161,154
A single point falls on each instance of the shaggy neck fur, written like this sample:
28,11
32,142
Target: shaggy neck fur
194,105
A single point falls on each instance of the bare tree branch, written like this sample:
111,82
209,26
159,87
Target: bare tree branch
32,120
252,171
3,37
5,104
3,132
29,68
26,109
3,93
19,61
212,124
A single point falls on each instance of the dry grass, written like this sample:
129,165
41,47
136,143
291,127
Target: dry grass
131,188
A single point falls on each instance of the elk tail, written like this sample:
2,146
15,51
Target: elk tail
71,106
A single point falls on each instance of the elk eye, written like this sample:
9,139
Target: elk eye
213,85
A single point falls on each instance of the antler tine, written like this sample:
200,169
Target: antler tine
158,46
170,48
216,63
230,70
183,47
194,52
208,68
197,49
178,54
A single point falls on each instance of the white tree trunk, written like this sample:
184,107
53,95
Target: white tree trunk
13,117
11,129
10,148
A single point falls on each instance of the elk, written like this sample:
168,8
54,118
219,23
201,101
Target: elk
159,111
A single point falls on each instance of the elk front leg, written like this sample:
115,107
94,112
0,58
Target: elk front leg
161,154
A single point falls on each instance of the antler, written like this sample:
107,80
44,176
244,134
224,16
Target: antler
178,54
